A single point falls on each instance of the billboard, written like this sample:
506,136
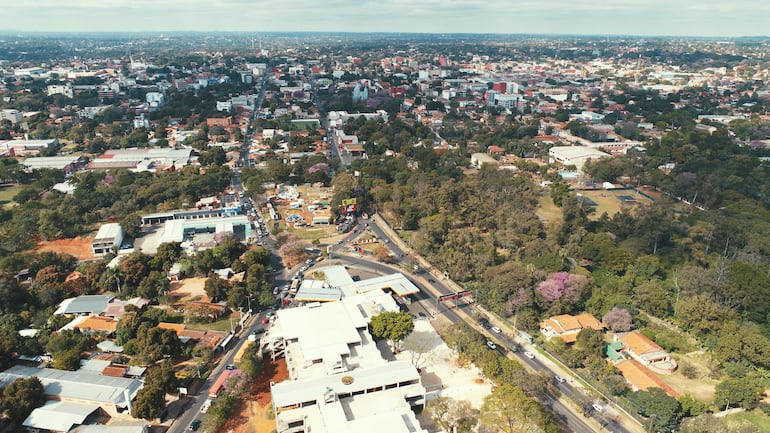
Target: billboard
349,205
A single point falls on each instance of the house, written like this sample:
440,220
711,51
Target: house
567,327
641,378
646,352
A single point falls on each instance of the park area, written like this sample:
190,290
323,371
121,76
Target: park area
611,201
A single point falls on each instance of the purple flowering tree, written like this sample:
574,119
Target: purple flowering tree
618,319
562,286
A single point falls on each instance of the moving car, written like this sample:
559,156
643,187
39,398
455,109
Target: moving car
195,425
491,345
529,355
205,407
496,330
558,378
597,407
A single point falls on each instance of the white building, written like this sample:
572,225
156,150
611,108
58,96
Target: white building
573,155
155,99
13,116
340,381
109,237
61,89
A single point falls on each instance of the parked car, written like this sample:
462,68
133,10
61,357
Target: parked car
491,345
485,323
529,355
597,407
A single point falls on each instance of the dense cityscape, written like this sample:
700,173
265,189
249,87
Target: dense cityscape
385,232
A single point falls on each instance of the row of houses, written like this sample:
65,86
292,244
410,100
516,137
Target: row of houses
636,356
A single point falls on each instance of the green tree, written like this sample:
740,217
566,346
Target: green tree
393,326
509,410
149,402
745,392
21,396
656,402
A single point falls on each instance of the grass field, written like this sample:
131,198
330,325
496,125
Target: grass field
7,192
755,418
608,201
547,211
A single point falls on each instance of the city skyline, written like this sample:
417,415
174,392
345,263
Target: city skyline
708,18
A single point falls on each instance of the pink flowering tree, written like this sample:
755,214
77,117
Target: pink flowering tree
618,319
521,299
562,286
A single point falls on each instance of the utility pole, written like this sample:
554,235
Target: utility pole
652,420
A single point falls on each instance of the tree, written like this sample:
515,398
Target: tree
745,392
21,396
509,410
251,363
163,377
618,319
149,402
656,402
215,287
393,326
454,416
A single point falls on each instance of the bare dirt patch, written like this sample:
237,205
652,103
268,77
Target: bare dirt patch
78,247
253,413
189,289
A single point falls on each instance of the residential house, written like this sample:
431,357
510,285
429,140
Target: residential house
640,378
567,327
646,352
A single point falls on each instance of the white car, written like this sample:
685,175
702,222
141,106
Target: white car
597,407
496,330
529,355
206,406
491,345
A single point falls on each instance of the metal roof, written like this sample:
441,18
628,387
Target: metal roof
59,415
86,304
76,385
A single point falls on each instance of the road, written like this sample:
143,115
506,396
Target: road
343,155
195,402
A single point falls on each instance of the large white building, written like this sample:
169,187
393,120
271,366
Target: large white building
108,238
574,155
339,379
337,284
11,115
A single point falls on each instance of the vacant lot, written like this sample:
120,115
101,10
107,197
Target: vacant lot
78,247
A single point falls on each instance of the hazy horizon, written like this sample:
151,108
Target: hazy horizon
645,18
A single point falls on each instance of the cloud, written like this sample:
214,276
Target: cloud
651,17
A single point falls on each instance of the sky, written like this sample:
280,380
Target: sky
574,17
